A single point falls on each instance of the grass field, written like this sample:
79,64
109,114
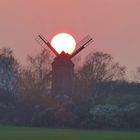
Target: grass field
16,133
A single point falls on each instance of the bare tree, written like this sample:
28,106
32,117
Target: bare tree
8,84
98,67
35,77
8,71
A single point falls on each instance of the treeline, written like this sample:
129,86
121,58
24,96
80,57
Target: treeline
102,97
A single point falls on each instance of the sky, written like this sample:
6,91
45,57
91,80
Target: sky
113,24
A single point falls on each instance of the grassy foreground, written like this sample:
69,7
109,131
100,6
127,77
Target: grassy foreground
17,133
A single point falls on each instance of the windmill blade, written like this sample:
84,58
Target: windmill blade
82,44
43,42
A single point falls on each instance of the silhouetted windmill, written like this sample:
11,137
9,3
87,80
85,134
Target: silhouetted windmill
63,67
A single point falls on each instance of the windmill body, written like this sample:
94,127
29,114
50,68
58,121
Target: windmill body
62,76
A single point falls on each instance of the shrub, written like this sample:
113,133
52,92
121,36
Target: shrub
105,116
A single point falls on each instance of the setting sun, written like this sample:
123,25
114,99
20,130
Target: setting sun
63,42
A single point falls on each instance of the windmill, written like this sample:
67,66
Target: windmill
63,67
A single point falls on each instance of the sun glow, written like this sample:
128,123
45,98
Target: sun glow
63,42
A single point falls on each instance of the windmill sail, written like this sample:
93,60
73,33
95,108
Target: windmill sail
42,41
82,44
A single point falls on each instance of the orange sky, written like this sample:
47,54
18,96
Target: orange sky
113,24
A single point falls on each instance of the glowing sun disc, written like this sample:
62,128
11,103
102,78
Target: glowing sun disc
63,42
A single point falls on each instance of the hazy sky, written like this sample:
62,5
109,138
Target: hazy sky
113,24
